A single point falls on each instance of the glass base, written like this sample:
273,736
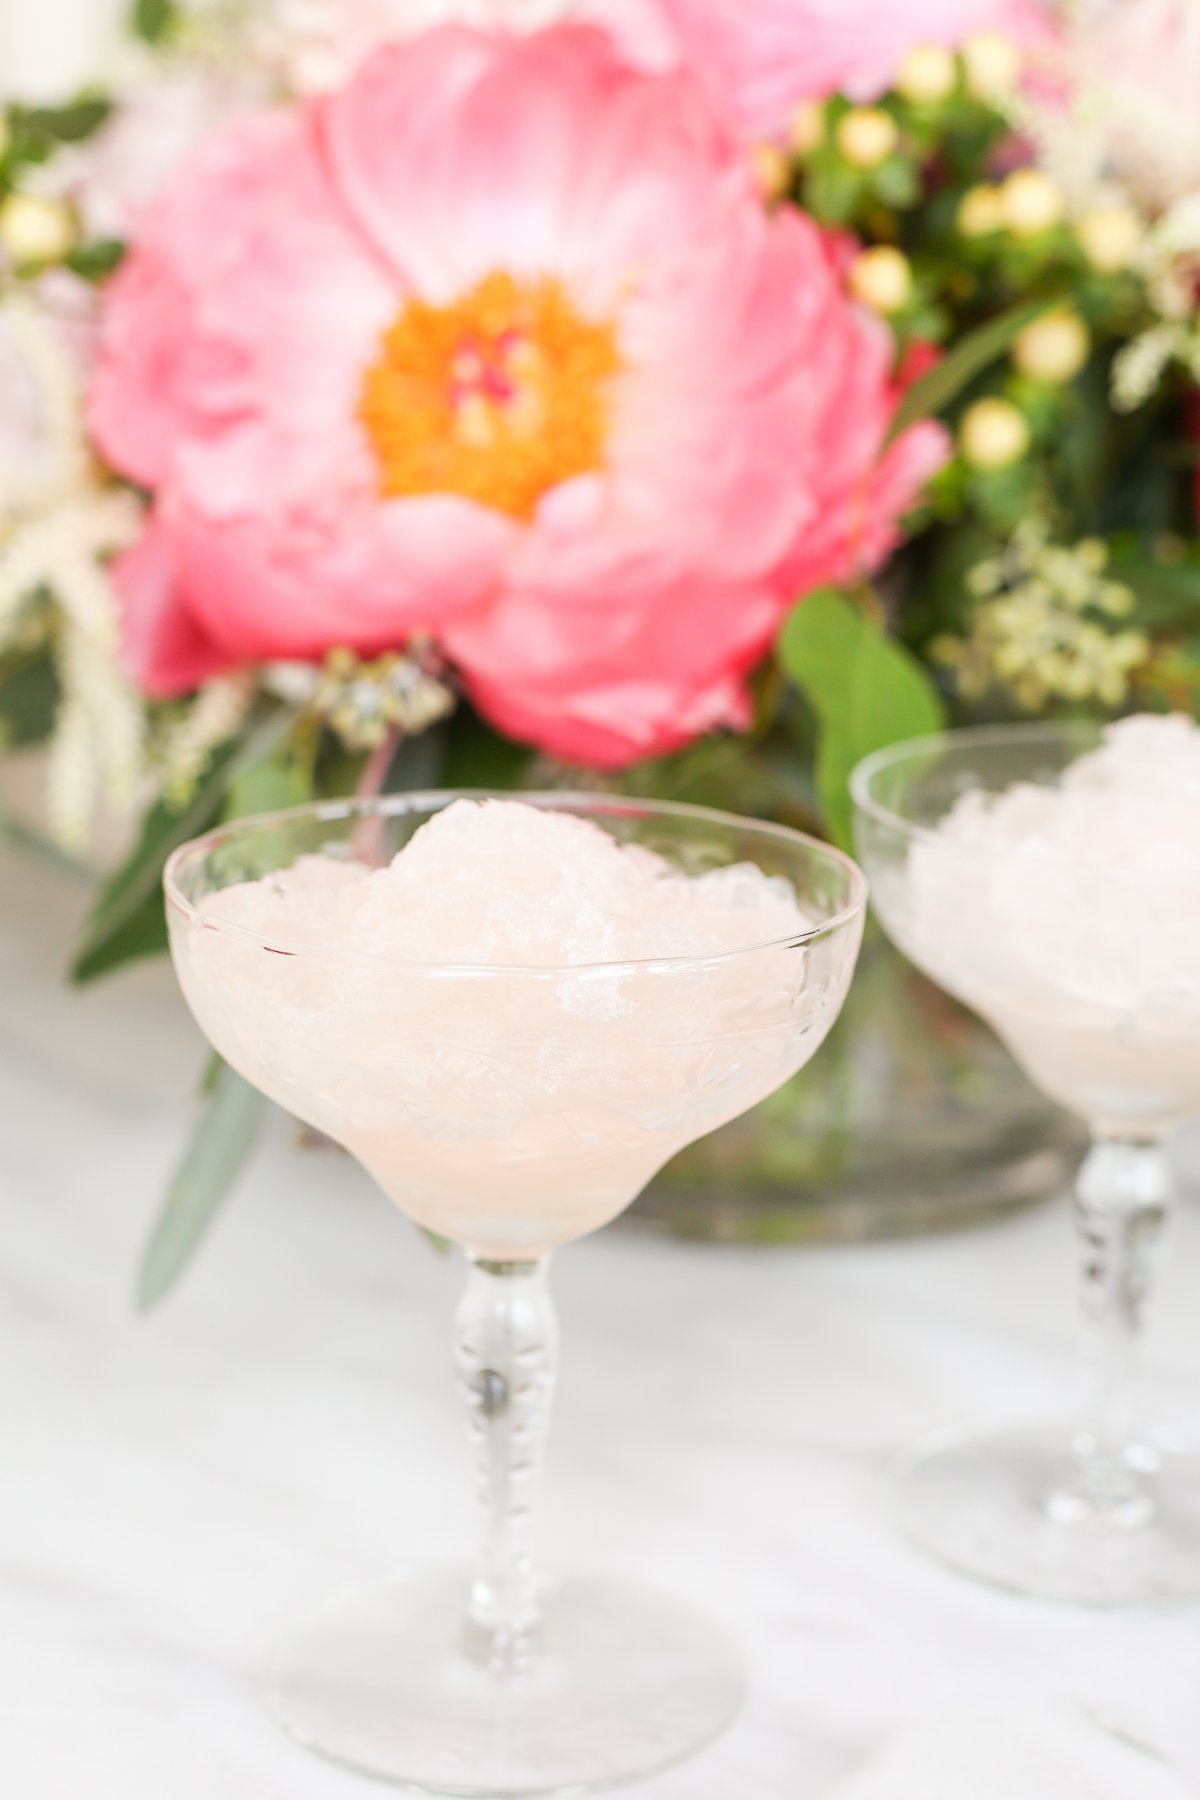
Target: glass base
999,1506
625,1682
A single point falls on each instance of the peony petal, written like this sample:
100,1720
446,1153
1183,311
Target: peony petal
263,589
466,152
605,684
134,413
760,61
612,727
163,647
250,297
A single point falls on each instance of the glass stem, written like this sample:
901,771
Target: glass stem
506,1356
1121,1201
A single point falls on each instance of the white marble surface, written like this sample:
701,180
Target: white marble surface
172,1488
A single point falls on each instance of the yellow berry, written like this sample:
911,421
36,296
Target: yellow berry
927,74
1054,348
866,136
980,211
1110,237
993,65
34,229
771,170
806,127
1030,202
993,434
882,279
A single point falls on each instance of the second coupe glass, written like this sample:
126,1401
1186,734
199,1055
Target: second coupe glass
1088,1514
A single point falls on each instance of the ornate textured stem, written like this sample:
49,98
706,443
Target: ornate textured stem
506,1354
1121,1201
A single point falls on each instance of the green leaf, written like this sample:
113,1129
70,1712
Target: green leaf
476,757
28,703
214,1068
153,19
1168,597
95,261
896,183
833,190
267,786
220,1146
866,690
69,124
142,934
942,385
122,922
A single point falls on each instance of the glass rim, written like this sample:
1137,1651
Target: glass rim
929,743
433,800
1082,732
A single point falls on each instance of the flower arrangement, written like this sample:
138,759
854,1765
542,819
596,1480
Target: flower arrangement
700,394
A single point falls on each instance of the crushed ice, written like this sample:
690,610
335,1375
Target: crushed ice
501,882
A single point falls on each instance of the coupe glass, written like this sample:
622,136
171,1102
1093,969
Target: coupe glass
511,1109
1093,1514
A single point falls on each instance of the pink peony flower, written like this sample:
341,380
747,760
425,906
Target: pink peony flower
496,344
760,59
317,44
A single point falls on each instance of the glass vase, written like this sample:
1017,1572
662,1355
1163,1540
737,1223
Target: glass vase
914,1119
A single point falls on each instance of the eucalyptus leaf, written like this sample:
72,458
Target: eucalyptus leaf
120,925
143,933
225,1135
934,391
214,1068
866,690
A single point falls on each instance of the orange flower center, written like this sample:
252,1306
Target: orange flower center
498,396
